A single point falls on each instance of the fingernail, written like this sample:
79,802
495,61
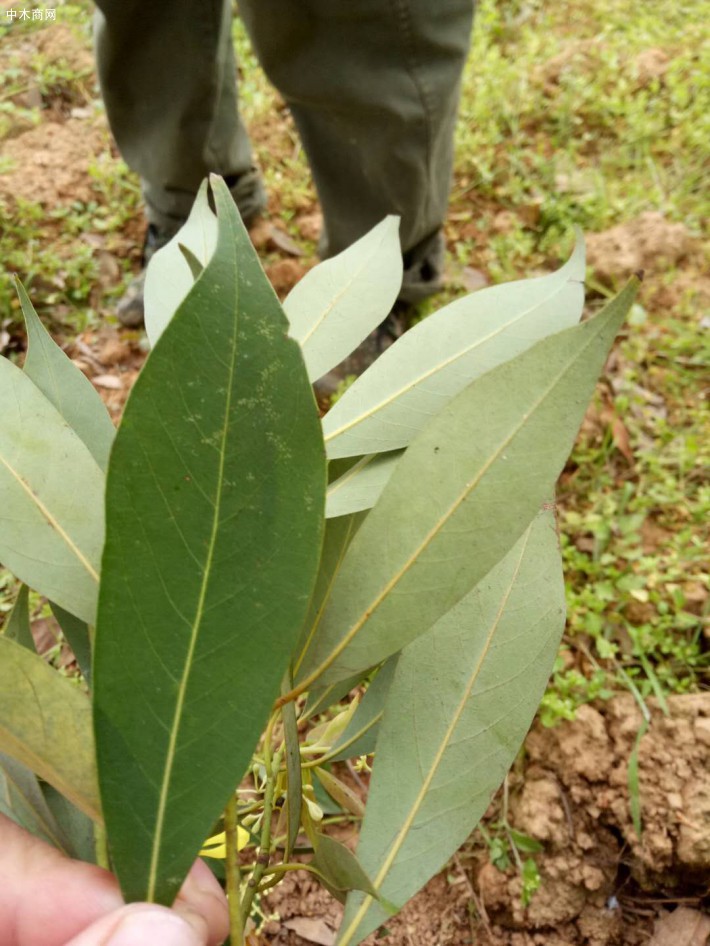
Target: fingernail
153,926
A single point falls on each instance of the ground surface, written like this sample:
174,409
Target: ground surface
589,113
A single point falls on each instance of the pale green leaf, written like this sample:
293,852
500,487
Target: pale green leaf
170,276
413,379
341,300
462,699
215,497
51,498
361,486
66,387
17,624
459,498
45,723
360,736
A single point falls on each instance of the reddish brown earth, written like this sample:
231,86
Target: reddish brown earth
602,885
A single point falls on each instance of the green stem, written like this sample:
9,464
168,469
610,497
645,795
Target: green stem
272,766
313,763
274,874
236,923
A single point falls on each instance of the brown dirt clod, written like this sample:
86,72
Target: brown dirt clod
649,243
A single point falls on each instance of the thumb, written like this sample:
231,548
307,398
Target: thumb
144,924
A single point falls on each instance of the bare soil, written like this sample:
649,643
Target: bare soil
601,883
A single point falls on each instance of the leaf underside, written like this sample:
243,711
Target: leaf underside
338,302
65,386
50,533
462,699
45,723
413,379
460,496
214,505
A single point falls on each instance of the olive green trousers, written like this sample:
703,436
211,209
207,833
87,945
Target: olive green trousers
373,87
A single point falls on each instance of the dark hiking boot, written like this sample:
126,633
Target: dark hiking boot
130,310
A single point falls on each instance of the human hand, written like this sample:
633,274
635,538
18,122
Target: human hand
48,900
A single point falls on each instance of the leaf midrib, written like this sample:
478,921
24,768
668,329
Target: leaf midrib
194,634
335,299
51,520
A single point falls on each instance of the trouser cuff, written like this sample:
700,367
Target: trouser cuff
423,269
168,211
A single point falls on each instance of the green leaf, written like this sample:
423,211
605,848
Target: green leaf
294,781
78,637
171,274
411,381
78,829
45,723
459,498
66,387
51,498
361,486
531,880
361,733
339,791
461,701
215,498
326,804
195,265
524,842
337,537
22,801
340,301
340,869
17,626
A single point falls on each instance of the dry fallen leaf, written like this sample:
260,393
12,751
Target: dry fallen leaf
282,241
314,929
109,381
683,927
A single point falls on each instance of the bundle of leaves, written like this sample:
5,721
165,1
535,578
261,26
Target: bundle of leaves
227,568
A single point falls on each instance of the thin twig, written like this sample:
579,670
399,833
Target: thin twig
272,766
